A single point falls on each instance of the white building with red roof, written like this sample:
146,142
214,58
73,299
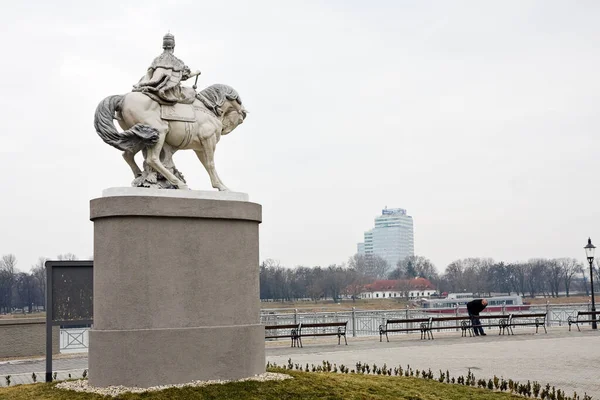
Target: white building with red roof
399,288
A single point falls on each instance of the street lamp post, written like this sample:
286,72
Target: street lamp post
589,252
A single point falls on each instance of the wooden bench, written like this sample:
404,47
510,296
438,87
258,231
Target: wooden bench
465,324
533,319
284,331
582,318
323,329
424,326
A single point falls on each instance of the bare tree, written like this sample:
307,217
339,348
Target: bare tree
356,283
414,266
358,264
7,281
535,270
454,276
369,266
378,267
500,277
554,276
67,257
24,293
517,275
38,271
335,281
569,267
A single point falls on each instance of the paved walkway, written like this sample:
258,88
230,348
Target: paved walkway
567,360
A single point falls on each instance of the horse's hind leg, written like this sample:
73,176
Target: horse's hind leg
130,160
153,159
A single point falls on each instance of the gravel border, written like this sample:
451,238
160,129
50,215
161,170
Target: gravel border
82,385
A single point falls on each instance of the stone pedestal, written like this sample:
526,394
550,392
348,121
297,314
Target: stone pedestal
176,294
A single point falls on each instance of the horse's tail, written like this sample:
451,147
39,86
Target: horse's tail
133,139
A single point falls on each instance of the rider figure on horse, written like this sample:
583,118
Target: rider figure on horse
163,78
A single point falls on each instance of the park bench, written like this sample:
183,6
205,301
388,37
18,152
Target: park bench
464,323
424,326
532,319
323,329
284,331
582,318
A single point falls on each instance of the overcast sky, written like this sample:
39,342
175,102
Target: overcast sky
479,118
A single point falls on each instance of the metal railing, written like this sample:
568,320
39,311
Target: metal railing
360,322
366,322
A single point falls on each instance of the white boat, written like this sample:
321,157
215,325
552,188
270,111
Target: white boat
496,304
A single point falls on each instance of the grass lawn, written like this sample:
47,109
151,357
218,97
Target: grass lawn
305,386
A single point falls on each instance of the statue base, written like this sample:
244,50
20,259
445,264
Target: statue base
176,294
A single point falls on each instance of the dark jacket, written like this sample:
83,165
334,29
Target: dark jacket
475,307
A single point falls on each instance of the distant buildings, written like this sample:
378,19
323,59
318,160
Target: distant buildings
401,288
392,238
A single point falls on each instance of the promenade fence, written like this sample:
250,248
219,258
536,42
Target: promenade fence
366,322
360,322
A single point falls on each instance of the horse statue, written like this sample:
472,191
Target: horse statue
160,130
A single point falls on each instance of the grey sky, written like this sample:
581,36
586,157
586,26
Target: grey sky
480,118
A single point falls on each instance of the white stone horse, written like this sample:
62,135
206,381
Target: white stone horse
218,110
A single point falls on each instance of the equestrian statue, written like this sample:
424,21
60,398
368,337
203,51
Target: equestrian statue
159,117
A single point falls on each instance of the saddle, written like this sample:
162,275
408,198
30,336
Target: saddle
178,112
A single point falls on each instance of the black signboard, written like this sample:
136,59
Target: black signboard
69,299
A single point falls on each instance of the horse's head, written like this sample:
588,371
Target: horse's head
226,104
233,117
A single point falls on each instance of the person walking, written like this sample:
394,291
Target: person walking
474,307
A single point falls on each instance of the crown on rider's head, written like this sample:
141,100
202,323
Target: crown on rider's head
168,41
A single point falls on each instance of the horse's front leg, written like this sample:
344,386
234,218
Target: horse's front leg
207,158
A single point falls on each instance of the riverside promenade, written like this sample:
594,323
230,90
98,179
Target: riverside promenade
567,360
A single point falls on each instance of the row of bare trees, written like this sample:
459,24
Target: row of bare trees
539,276
283,284
24,290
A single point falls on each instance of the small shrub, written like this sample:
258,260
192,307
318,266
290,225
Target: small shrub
490,385
85,372
7,377
34,377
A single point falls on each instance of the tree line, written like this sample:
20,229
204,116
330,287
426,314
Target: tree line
25,291
483,276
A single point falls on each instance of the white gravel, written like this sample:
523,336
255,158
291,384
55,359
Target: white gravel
82,385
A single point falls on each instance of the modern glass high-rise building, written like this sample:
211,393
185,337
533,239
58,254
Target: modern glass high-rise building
392,238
